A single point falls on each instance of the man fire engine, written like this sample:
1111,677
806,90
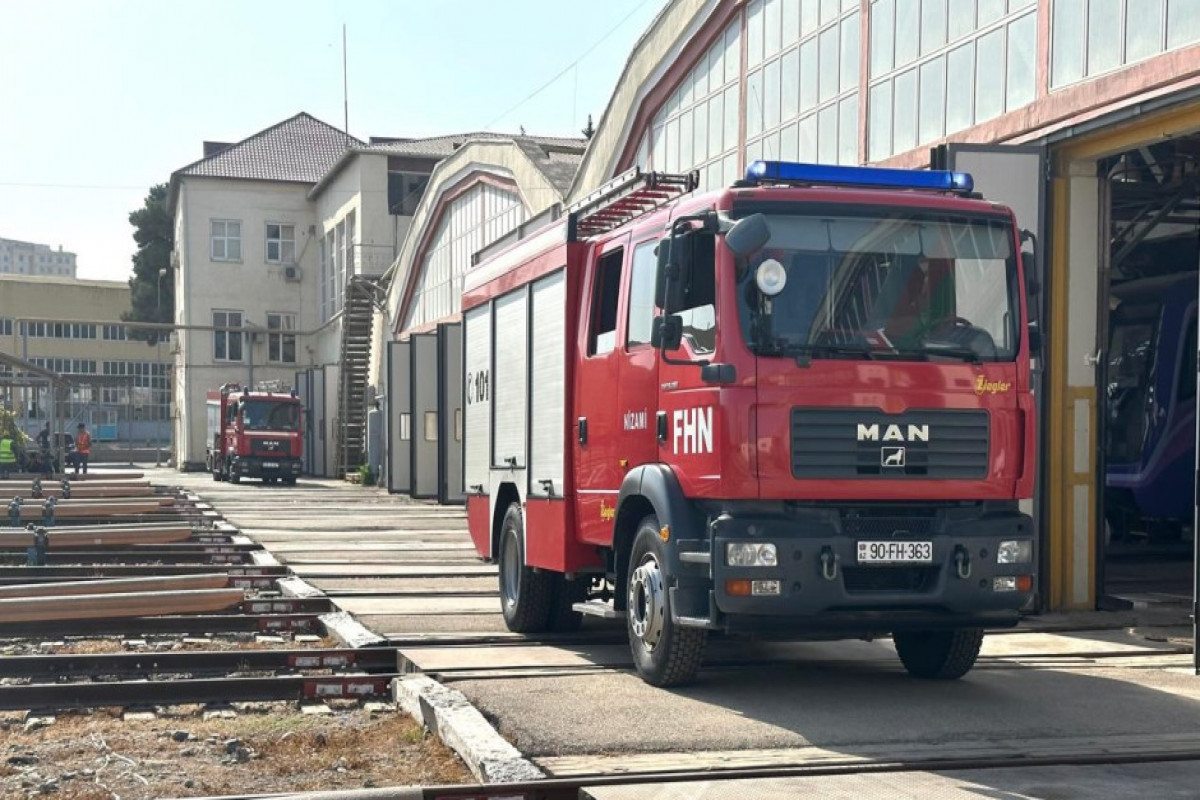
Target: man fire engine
258,436
804,412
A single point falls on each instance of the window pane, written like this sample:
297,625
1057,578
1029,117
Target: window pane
732,111
933,25
1066,44
272,251
789,143
772,30
686,162
753,151
904,104
907,31
671,163
754,33
1022,50
829,10
828,71
288,252
716,126
962,19
992,10
754,104
1183,22
771,95
848,130
272,231
234,248
808,138
790,21
932,117
879,142
218,248
733,57
882,23
658,147
770,145
233,229
1143,29
790,84
716,67
960,84
809,16
1104,32
235,347
827,142
641,294
851,36
808,75
700,134
989,80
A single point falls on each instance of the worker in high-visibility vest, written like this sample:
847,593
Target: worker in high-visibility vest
10,451
83,448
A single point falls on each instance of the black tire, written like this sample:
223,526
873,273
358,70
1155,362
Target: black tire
938,655
664,653
525,594
289,481
564,618
233,477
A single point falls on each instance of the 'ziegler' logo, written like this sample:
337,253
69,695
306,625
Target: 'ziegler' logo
893,433
607,513
692,427
984,386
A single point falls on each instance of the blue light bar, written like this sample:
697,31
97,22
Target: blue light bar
876,177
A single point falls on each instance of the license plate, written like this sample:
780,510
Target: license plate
270,465
895,552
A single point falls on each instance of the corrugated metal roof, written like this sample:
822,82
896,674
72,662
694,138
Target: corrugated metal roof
300,149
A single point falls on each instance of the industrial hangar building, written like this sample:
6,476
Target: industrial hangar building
1084,116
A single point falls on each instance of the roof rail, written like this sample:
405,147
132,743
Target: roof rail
624,198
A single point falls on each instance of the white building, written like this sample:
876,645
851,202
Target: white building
38,260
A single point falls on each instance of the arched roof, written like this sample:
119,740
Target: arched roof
539,174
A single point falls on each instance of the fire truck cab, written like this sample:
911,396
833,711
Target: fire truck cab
797,407
258,436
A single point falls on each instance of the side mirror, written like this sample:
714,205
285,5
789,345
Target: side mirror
1033,287
748,235
666,333
674,272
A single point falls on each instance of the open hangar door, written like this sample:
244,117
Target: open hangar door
1147,371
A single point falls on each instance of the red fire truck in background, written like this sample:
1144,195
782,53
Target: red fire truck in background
797,407
257,435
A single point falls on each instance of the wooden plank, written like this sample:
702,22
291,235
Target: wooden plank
117,586
68,537
119,605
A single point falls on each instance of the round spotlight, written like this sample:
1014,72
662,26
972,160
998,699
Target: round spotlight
771,277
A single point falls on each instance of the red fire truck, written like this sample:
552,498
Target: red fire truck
797,407
258,436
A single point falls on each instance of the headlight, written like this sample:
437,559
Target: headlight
750,554
771,277
1018,551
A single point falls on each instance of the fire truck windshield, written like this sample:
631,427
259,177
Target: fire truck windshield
270,415
899,284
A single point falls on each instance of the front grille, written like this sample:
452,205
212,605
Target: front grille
266,447
826,444
911,580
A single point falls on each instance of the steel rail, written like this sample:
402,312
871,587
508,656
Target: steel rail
140,693
125,556
367,659
572,788
196,624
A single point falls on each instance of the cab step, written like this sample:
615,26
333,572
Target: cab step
598,608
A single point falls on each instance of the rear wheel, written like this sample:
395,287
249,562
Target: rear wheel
525,594
939,655
665,653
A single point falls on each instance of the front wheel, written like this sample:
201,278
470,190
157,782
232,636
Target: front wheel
938,655
526,594
664,653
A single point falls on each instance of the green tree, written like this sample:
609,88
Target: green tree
152,287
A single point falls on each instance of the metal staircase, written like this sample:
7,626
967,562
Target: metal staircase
357,320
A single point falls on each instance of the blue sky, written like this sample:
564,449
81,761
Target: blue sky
100,100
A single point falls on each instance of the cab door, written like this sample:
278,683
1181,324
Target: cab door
637,389
598,422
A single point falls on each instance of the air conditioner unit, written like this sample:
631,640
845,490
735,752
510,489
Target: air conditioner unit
292,273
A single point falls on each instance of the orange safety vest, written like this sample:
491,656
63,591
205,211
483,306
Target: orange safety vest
83,443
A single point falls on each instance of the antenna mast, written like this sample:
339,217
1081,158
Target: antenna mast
345,89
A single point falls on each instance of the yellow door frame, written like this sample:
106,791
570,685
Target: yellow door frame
1062,475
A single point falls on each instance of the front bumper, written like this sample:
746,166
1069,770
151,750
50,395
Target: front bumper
823,586
265,467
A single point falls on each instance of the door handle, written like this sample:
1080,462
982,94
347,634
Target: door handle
661,425
1092,359
583,430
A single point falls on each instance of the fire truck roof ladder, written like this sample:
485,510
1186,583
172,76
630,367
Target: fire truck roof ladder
624,198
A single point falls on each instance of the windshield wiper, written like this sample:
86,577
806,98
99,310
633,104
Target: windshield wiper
951,351
804,353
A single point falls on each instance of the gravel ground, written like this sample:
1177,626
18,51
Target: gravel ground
98,756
